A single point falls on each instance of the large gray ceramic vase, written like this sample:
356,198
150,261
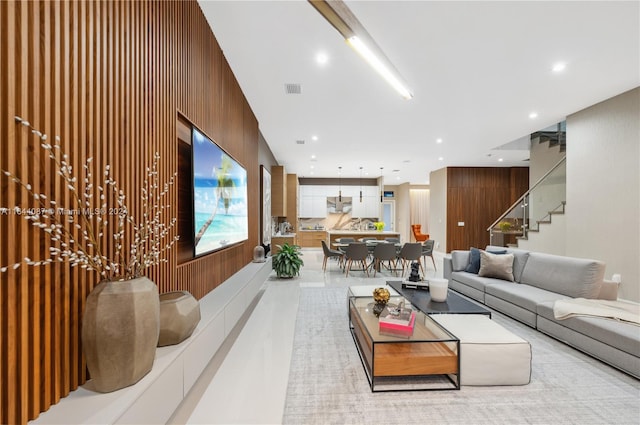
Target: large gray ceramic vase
120,329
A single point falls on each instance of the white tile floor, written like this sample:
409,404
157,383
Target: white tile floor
246,382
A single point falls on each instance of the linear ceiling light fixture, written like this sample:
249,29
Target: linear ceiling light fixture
339,184
340,16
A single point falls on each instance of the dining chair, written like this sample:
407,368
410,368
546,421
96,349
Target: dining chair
384,252
392,240
410,252
358,252
330,253
344,240
427,251
417,233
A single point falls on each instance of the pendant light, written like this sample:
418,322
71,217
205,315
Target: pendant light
381,184
339,184
360,184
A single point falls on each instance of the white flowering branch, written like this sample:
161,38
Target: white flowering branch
151,239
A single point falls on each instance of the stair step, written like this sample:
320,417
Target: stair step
512,245
556,212
543,221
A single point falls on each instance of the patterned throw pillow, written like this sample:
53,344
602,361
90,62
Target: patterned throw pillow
496,266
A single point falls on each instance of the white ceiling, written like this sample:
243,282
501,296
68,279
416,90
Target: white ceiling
477,70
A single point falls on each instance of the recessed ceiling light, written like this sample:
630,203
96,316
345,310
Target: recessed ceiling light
312,167
500,159
313,156
314,138
533,115
438,140
559,67
322,58
441,159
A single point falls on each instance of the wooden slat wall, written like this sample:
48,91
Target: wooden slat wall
110,79
477,196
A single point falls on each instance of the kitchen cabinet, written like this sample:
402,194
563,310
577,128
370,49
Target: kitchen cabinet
313,207
278,191
313,200
311,238
370,205
292,200
291,239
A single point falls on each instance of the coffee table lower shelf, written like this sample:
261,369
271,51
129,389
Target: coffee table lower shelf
427,360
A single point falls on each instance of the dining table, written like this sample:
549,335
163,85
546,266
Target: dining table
371,244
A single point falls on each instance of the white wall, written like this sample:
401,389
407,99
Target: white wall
438,208
603,187
551,239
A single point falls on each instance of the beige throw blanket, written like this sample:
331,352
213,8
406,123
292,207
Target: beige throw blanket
617,310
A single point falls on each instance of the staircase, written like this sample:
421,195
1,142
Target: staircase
536,208
545,223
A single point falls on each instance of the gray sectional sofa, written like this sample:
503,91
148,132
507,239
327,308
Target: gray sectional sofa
538,281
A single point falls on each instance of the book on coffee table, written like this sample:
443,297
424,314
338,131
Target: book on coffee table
421,284
403,322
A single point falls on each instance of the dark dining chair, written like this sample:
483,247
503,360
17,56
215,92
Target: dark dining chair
358,252
384,251
410,252
330,253
427,251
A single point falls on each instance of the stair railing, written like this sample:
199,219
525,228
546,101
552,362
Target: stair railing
542,198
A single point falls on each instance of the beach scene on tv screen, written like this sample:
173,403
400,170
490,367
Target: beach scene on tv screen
219,196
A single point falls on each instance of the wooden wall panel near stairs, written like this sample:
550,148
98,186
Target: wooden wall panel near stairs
109,78
477,196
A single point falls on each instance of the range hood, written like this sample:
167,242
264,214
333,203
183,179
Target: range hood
336,206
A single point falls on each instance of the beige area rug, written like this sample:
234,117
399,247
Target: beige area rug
327,383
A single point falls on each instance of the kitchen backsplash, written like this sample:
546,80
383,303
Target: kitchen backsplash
336,221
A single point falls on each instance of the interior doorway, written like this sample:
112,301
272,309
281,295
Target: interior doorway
389,215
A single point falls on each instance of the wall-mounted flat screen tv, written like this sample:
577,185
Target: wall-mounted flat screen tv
219,197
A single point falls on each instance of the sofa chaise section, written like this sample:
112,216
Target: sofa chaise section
539,281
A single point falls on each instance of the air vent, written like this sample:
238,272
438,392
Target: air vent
299,142
293,88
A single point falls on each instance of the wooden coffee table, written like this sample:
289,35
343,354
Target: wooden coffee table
426,360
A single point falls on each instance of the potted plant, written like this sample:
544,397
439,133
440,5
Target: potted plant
287,261
93,229
505,226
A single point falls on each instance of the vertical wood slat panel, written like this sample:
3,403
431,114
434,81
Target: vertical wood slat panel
5,56
108,77
7,224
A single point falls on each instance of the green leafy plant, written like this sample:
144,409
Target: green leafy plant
287,261
505,226
379,225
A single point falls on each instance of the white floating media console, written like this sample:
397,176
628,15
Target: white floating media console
176,368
